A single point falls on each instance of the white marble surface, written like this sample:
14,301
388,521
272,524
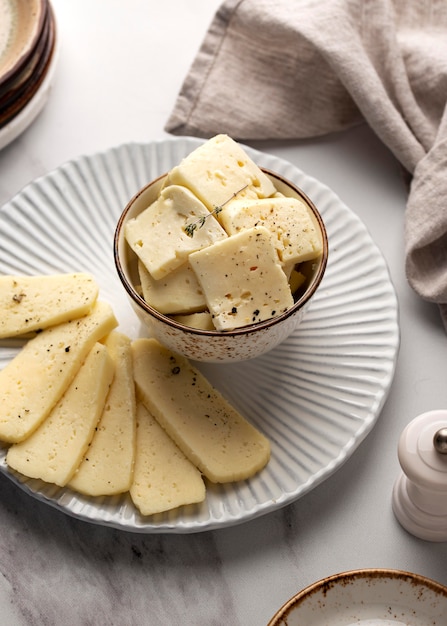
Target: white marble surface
120,68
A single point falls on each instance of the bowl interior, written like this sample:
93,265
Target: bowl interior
19,91
20,30
371,596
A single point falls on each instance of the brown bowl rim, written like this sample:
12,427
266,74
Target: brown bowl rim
244,330
20,77
356,574
14,101
43,6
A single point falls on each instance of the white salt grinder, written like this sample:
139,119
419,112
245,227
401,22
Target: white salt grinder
420,492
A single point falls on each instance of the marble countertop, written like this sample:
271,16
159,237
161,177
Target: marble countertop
120,68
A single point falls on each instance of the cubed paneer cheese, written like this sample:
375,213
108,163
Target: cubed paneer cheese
202,320
158,236
107,465
296,280
288,269
289,220
33,382
217,170
178,292
55,449
30,303
163,477
242,279
211,433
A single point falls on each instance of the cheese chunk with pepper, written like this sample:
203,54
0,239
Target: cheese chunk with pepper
242,279
33,382
30,303
158,236
107,465
55,449
163,477
295,234
214,436
178,292
217,170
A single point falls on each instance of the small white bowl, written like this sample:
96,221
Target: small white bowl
206,345
367,596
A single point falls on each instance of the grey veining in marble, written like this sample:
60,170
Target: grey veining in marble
58,570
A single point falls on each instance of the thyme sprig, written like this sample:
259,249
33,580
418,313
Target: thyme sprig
193,226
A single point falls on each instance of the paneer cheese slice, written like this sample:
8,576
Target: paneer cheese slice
107,465
163,477
33,382
242,279
158,236
289,220
53,452
178,292
202,320
30,303
288,269
217,170
214,436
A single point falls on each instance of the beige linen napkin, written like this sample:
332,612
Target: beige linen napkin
272,69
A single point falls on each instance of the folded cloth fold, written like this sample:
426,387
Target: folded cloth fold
283,69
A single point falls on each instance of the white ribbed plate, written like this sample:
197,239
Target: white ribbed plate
316,396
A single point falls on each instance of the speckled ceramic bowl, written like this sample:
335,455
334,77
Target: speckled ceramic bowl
205,345
367,597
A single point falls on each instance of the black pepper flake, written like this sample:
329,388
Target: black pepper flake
175,370
67,349
18,297
234,310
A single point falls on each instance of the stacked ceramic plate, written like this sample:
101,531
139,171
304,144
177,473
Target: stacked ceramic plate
27,58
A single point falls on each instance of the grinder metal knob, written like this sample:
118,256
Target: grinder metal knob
440,440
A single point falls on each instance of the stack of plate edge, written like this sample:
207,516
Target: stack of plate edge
25,75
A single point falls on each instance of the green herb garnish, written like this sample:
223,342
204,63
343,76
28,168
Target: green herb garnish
193,226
